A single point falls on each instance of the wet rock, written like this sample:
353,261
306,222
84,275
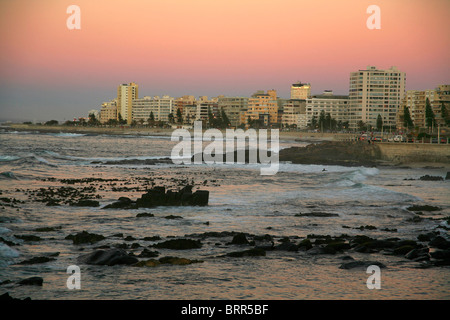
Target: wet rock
179,244
305,244
431,178
441,254
86,203
287,246
7,297
447,177
85,237
185,197
317,214
177,261
420,254
172,217
121,203
403,250
148,254
240,238
334,247
109,257
147,263
154,238
440,243
255,252
30,238
360,264
144,214
36,260
423,208
32,281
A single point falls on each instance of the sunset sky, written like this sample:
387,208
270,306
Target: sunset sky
207,47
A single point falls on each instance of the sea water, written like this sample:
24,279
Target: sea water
241,200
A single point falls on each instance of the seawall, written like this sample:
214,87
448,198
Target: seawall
415,152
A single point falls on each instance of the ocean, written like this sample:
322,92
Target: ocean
298,202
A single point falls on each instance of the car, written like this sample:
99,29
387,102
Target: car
435,140
363,137
399,138
377,138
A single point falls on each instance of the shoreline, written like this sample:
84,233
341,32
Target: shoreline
286,135
331,148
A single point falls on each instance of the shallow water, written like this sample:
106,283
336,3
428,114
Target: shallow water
241,200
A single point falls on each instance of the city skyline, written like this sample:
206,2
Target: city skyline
207,48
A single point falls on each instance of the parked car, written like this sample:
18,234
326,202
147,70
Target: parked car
435,140
377,138
399,138
363,137
410,140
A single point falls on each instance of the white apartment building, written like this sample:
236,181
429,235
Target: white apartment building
336,105
160,106
375,92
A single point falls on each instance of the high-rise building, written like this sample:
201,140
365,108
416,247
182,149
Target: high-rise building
375,92
335,105
415,101
263,107
126,93
294,113
300,91
161,107
108,111
233,108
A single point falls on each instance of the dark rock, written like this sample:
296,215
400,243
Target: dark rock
47,229
85,237
423,208
415,253
360,264
240,238
447,177
403,250
334,247
177,261
148,254
109,257
431,178
185,197
305,244
7,297
179,244
441,254
317,214
172,217
86,203
147,263
440,243
129,238
28,237
144,214
32,281
121,203
255,252
154,238
287,246
36,260
426,237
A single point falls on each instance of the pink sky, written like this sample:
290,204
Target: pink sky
211,47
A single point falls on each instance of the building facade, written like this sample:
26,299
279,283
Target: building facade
375,92
126,93
161,107
300,91
108,111
335,105
294,114
263,107
234,108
